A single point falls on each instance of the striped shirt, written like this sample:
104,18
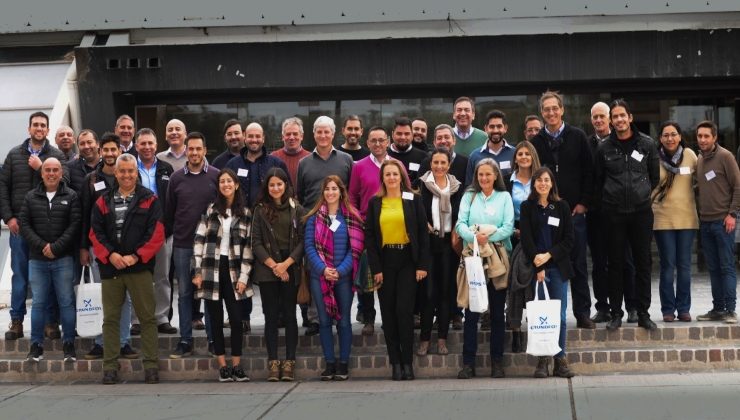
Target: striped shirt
121,204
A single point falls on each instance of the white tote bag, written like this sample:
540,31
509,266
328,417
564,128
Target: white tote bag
543,324
476,278
89,307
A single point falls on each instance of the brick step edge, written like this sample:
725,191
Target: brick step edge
377,366
576,337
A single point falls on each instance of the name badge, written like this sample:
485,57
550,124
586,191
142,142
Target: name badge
165,177
413,166
637,156
242,172
335,225
489,211
505,164
407,195
710,175
100,185
553,221
684,170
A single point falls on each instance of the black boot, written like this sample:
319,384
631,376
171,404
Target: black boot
497,368
408,373
516,341
397,374
543,367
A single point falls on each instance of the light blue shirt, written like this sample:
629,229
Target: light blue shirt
148,176
496,209
519,193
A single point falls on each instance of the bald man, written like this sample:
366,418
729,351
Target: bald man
175,136
50,223
65,140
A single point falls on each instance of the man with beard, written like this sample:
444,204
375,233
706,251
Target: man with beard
175,155
419,127
21,174
89,157
125,130
352,133
564,149
96,184
292,151
627,170
467,138
532,126
496,148
401,149
234,139
65,141
597,227
191,190
251,166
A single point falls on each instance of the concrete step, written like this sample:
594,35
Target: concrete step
704,333
678,358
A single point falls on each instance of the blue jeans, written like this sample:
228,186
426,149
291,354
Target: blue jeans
181,258
674,247
343,296
557,287
19,280
719,249
59,275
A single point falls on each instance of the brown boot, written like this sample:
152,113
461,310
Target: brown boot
542,370
561,368
288,368
274,370
51,331
15,330
368,329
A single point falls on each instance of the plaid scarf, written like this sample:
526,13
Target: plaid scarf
324,240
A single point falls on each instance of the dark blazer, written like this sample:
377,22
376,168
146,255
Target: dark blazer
416,229
426,197
562,235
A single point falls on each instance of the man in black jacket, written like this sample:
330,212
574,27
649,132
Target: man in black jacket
87,160
564,149
126,234
50,222
627,171
21,173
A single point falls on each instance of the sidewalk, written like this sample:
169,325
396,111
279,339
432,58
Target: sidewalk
693,396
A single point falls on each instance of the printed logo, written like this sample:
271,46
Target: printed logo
543,320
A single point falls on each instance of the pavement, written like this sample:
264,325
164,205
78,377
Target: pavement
694,396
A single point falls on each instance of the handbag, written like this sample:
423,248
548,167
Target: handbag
456,242
89,307
476,279
543,324
304,294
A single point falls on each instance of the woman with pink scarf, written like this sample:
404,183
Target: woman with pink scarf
334,240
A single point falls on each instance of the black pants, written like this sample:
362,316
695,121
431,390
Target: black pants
436,290
216,312
280,296
636,230
598,242
397,296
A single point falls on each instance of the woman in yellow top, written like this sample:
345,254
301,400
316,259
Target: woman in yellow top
676,221
397,246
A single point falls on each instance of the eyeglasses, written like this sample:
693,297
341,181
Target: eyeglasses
550,109
670,135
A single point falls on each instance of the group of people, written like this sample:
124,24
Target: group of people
393,218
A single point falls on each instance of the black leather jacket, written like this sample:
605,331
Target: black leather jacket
626,172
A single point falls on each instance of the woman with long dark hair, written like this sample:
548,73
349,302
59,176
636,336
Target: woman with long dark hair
334,241
222,259
277,243
441,193
486,202
397,243
676,221
546,240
